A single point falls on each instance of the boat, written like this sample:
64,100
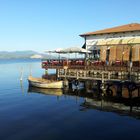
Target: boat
55,92
44,83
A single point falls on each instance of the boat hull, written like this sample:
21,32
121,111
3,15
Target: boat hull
39,84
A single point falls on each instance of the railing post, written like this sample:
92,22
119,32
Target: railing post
103,84
102,77
109,75
77,75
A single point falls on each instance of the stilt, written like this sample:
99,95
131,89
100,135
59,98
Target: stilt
130,94
119,90
138,91
70,84
99,87
65,83
109,92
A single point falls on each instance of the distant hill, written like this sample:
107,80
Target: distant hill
22,55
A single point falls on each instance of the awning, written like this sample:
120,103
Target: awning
73,50
70,50
118,41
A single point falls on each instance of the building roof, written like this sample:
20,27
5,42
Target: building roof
118,29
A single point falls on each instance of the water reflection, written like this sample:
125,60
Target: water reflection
56,92
109,106
121,106
21,86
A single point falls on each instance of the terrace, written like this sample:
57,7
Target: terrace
89,64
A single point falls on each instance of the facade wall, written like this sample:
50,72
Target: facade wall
119,52
90,40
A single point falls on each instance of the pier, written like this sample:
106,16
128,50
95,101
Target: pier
99,75
82,69
111,57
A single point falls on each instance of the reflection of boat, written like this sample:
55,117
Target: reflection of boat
44,83
56,92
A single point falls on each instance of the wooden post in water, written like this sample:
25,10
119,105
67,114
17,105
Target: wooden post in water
30,70
21,74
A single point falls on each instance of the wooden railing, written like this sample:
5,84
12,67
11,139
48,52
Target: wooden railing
90,65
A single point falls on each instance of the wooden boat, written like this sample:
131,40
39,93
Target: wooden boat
44,83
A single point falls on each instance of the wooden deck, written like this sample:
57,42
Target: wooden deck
98,75
85,70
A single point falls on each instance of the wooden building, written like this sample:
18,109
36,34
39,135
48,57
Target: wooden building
115,56
121,43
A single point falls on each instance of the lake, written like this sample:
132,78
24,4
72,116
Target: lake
33,114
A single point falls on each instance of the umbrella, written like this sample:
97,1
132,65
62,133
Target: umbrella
73,50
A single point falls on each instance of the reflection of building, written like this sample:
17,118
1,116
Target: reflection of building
109,106
115,42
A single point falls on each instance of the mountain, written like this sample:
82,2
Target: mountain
22,55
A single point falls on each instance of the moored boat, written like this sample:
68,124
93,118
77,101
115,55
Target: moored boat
44,83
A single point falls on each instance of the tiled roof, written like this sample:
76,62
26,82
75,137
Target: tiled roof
118,29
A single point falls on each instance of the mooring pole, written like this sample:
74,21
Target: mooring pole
21,74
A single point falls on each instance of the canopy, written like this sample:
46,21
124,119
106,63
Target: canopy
118,41
71,50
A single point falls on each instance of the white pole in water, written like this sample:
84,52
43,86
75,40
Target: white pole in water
30,70
21,74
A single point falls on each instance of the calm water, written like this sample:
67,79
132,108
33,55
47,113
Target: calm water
31,115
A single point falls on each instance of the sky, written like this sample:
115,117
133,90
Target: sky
42,25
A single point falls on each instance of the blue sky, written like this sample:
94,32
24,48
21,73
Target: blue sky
49,24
